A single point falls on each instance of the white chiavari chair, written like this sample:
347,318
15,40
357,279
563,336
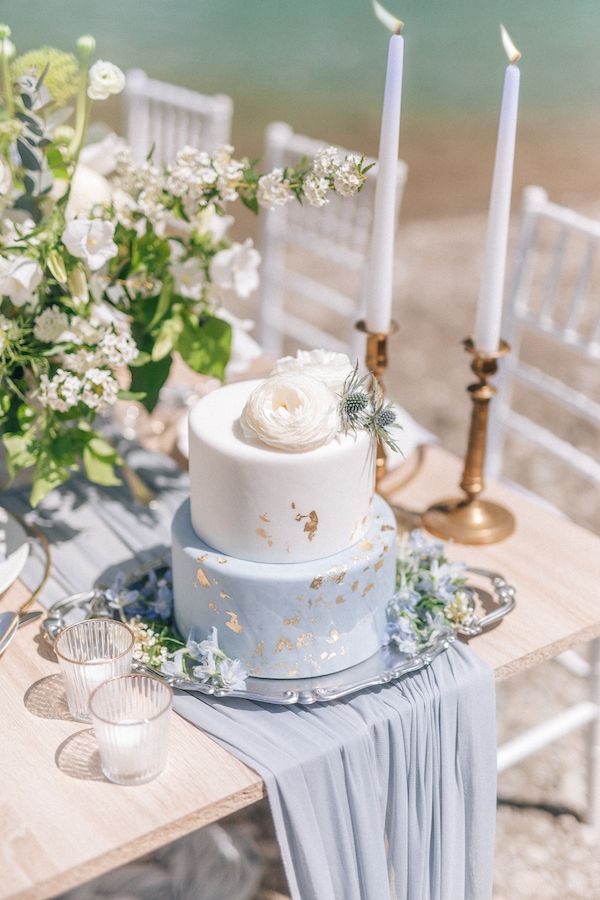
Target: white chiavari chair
313,260
553,314
167,117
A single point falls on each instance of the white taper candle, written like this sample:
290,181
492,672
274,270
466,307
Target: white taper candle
380,266
489,308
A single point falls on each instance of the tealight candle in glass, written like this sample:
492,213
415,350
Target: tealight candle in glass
89,653
131,716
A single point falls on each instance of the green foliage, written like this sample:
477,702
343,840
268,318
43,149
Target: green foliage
205,345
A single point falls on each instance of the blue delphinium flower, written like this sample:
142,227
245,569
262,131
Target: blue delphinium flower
403,635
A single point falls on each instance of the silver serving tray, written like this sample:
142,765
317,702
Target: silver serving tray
384,666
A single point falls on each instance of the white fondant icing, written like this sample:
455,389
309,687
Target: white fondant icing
258,503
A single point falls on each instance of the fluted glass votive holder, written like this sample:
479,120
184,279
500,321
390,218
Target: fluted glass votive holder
89,653
131,715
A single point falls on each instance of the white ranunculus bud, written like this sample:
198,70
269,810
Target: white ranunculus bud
325,365
292,412
86,43
104,79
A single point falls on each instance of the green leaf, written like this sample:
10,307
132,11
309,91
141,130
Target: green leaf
164,301
149,379
99,469
130,395
169,333
19,454
205,345
48,475
31,158
99,446
141,359
250,202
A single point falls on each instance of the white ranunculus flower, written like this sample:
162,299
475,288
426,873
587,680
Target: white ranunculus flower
19,278
329,367
235,268
5,177
104,79
189,277
90,240
291,412
88,189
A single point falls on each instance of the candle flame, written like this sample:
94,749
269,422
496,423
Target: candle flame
511,51
387,19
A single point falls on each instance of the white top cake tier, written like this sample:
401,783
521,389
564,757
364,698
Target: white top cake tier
257,502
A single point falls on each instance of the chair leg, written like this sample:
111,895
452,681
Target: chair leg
593,761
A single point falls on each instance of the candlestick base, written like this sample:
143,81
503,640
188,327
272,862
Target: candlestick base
469,521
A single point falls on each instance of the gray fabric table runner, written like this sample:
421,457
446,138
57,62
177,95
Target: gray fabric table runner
386,795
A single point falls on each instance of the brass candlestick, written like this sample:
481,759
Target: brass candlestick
469,519
376,361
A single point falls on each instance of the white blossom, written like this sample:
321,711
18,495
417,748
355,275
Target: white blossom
9,331
236,268
50,324
346,178
90,240
102,155
325,162
118,348
316,189
189,277
88,190
209,221
19,279
80,361
61,392
99,388
232,674
5,177
229,171
273,190
104,79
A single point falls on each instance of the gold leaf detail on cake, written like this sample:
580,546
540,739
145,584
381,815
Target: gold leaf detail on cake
222,560
260,648
366,545
300,597
340,598
292,673
202,579
378,564
317,582
264,518
224,595
354,586
334,636
293,505
294,621
387,528
283,644
262,533
311,526
202,558
304,639
212,605
336,574
233,622
386,547
270,543
368,588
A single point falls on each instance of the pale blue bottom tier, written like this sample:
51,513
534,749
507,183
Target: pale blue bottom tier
288,620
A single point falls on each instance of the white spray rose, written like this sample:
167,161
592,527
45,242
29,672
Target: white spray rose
235,268
291,412
324,365
104,79
19,278
90,240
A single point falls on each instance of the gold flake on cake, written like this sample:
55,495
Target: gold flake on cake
224,595
293,621
354,586
283,644
300,597
222,560
334,636
262,533
264,518
368,588
212,605
233,622
260,648
340,599
337,574
379,564
304,638
202,558
202,579
387,528
366,545
317,582
310,526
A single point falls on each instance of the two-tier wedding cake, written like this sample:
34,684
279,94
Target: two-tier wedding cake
283,545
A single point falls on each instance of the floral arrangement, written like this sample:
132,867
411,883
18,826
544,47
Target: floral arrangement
106,272
310,398
430,600
146,605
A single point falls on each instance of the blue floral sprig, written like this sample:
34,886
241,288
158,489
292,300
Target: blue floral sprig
363,408
146,605
429,602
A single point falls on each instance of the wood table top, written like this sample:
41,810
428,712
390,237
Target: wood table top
62,823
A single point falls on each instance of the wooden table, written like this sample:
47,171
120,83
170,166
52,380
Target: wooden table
61,823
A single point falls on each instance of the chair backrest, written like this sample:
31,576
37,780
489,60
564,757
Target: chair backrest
168,117
313,260
553,316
